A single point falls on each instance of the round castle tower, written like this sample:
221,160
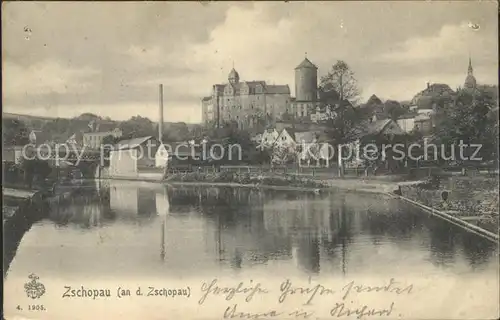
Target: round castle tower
306,81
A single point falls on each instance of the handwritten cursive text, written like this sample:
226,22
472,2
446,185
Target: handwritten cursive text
391,287
229,292
287,288
232,312
340,310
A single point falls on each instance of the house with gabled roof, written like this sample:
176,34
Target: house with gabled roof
286,139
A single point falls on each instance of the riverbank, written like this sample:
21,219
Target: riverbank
282,182
473,200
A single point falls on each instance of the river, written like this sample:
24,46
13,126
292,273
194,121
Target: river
132,232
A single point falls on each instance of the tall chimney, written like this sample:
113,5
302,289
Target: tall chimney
160,121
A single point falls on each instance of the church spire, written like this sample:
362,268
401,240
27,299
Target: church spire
470,80
470,70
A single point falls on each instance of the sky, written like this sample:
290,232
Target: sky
61,59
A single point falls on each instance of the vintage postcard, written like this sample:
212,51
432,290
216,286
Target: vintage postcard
250,160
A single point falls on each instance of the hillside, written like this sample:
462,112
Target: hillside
37,122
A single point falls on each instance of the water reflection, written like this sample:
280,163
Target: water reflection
188,229
24,215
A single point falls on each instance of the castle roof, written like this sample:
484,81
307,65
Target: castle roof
254,83
306,64
278,89
267,88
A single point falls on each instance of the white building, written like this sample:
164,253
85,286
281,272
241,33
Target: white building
161,157
94,139
130,155
407,124
269,137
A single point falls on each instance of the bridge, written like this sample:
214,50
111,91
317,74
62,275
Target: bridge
85,159
68,153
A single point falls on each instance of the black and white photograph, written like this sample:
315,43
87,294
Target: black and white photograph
296,160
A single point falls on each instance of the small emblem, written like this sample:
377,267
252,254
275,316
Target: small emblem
34,289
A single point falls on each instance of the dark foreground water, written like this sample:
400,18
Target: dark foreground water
124,233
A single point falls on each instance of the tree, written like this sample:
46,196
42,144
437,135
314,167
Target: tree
282,155
436,96
137,126
88,116
110,140
33,168
262,155
238,141
196,132
59,128
343,121
14,132
177,132
341,79
393,109
467,120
